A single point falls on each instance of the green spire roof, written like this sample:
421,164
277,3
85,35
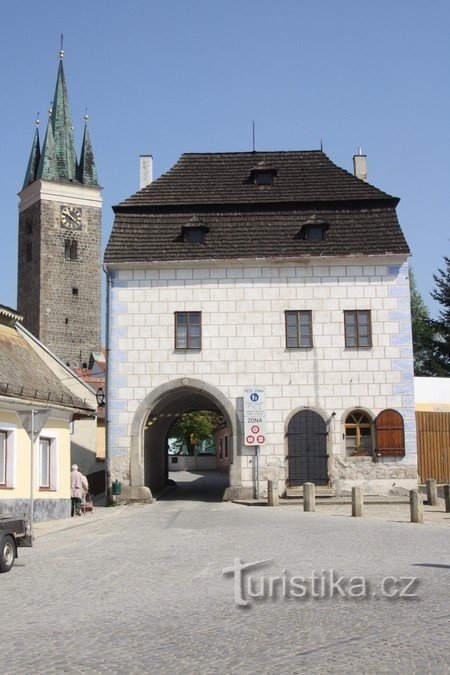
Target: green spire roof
62,128
87,172
58,159
33,162
48,168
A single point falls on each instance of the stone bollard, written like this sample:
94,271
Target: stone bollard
272,494
357,501
309,497
416,506
447,497
432,497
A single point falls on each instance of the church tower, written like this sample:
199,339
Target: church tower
60,211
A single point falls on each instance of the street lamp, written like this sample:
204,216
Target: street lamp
101,397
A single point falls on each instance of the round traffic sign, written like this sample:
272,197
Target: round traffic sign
250,439
255,429
261,438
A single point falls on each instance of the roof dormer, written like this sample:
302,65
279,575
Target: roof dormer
314,229
263,174
194,231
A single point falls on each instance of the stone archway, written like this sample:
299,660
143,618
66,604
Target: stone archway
177,396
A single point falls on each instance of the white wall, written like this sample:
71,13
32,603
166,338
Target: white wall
243,344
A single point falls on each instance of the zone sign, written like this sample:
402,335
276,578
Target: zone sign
254,416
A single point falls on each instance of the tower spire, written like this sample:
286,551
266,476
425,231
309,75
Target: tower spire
60,160
48,167
87,171
35,156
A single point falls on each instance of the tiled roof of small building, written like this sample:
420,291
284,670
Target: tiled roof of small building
245,220
24,375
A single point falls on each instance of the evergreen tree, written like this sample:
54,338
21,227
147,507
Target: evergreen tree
442,323
423,333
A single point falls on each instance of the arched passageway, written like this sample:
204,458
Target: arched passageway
150,460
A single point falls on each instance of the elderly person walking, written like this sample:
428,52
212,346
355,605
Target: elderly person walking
78,486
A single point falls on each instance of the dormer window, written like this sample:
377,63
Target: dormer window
313,231
262,174
263,178
194,235
195,231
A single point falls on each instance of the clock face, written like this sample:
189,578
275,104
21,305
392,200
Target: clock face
71,217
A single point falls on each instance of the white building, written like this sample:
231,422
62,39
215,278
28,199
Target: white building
275,270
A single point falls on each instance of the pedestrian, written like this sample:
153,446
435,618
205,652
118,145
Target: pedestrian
78,487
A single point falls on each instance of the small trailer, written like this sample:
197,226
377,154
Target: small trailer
14,532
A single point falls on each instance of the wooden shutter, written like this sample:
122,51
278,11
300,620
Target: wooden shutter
390,434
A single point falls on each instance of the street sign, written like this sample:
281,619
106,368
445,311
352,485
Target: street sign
40,418
254,416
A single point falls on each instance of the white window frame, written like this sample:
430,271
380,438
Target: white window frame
53,457
10,432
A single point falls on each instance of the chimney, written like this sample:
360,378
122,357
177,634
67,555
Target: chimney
360,165
146,170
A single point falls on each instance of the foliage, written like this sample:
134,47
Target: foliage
441,325
191,429
423,333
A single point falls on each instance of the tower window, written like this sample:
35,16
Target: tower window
71,249
74,291
28,252
29,227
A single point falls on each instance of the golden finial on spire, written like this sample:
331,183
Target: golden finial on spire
37,120
61,51
86,116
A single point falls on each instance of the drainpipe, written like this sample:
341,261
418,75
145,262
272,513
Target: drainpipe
107,346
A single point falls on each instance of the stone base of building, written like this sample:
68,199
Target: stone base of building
378,488
238,492
136,494
43,509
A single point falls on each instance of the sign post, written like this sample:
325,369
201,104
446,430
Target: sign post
33,422
255,423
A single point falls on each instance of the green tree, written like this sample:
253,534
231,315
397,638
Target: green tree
191,429
423,332
441,325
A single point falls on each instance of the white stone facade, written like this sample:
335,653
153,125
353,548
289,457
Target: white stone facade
242,305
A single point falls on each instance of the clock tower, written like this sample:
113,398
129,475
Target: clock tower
60,210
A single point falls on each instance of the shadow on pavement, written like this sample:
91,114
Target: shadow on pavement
202,486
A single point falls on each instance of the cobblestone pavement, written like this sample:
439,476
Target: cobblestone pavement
140,589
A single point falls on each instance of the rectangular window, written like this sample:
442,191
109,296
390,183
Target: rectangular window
3,459
358,331
188,330
70,249
44,463
299,329
28,252
226,446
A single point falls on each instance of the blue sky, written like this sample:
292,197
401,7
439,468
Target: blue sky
172,76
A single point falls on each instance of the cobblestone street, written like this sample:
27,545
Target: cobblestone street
140,589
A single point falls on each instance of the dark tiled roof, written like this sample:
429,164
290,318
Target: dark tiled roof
225,178
244,220
150,237
24,375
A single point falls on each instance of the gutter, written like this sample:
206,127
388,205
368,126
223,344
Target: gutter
107,376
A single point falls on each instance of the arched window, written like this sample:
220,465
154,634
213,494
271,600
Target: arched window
358,434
